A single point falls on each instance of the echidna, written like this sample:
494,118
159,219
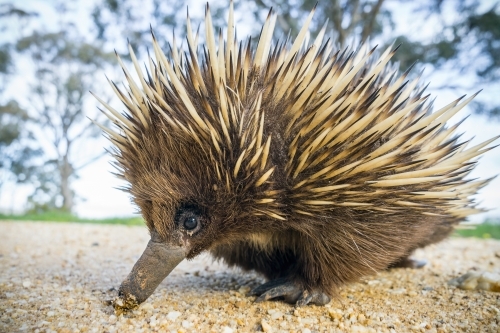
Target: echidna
311,165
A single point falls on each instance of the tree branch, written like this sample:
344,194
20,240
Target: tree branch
89,126
368,28
354,17
337,21
92,160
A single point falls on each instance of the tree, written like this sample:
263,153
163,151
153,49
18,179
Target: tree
473,33
64,72
18,151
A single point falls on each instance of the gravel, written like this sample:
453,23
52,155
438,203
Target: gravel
60,277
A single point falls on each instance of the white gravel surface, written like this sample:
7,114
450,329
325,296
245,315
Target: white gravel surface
58,278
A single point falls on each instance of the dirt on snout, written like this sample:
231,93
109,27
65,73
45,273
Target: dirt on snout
60,277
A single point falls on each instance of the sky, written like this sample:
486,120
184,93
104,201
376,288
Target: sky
97,187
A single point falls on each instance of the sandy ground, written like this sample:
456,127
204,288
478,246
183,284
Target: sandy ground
57,278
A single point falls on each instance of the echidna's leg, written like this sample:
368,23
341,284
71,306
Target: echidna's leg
291,292
285,286
441,230
279,266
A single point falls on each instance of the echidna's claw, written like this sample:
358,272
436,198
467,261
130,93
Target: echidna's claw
257,291
313,297
290,292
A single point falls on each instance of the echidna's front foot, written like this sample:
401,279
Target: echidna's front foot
290,292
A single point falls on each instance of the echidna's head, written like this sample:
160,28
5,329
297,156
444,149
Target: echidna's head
186,196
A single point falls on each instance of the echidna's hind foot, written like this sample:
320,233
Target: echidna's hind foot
408,262
290,292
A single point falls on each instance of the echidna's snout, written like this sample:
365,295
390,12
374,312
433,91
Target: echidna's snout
157,261
162,255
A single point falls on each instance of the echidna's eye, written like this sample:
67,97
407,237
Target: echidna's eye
190,223
190,217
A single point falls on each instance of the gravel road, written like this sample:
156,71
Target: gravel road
58,277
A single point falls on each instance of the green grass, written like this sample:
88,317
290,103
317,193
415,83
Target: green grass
58,216
485,230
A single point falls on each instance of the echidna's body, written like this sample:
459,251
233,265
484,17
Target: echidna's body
311,165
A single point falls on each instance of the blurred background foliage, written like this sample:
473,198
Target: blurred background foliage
41,137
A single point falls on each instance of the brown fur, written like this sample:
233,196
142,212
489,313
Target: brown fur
287,226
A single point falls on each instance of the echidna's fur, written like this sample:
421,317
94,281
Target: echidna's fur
307,163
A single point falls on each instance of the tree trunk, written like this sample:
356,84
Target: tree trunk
66,170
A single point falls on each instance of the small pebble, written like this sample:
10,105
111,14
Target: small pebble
173,315
147,307
226,329
265,326
276,315
334,314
